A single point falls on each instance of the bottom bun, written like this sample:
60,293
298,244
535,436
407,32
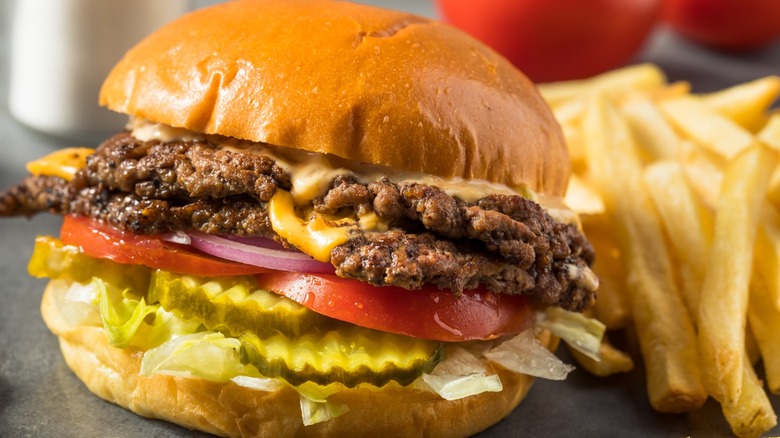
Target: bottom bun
227,409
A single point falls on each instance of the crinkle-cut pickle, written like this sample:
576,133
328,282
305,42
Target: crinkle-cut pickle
350,356
278,336
52,259
233,304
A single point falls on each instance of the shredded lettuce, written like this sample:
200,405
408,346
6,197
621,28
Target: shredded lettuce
204,355
313,412
580,332
265,384
212,356
525,354
129,321
461,375
178,347
77,302
122,314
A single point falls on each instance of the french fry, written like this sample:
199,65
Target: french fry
751,415
747,103
773,192
613,361
671,91
642,77
703,170
770,133
611,307
751,344
655,137
687,222
724,297
767,252
569,111
706,126
666,333
656,154
764,319
582,198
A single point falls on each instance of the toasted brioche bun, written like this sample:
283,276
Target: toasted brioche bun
366,84
227,409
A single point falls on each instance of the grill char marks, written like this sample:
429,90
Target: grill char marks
505,243
527,251
182,170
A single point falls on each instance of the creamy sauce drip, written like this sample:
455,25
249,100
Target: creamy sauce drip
310,172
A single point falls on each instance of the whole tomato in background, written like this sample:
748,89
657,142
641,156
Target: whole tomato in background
732,25
552,40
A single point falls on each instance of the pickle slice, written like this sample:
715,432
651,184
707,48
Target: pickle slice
234,304
53,259
350,355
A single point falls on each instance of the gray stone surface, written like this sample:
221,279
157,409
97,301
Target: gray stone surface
40,397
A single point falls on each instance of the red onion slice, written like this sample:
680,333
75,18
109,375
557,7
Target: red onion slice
277,259
262,242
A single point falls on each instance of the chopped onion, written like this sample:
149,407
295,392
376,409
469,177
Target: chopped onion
179,237
256,255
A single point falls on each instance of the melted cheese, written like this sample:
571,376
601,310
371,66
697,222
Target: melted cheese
314,237
63,163
146,131
310,173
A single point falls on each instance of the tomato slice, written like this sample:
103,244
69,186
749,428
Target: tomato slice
427,313
102,241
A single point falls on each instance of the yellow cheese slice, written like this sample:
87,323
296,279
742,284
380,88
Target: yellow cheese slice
314,237
63,163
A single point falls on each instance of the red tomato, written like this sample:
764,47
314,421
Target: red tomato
552,40
105,242
427,313
725,24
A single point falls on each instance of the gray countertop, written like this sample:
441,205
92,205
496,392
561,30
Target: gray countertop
39,396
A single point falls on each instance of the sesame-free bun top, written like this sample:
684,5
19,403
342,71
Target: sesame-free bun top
363,83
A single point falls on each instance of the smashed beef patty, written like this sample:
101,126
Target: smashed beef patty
506,243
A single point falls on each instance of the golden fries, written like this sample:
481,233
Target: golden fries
611,308
764,318
687,222
666,334
634,78
706,126
723,302
680,196
583,198
653,133
613,361
746,104
704,170
752,412
767,252
770,133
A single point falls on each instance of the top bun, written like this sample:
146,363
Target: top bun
363,83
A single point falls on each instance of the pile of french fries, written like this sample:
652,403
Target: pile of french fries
680,195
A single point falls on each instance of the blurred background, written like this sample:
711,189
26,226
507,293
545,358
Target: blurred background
55,53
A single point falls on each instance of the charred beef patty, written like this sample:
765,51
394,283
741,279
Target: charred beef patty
506,243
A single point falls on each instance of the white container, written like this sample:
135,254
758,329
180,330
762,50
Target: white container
61,50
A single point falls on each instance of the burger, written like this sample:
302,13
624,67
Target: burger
322,219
